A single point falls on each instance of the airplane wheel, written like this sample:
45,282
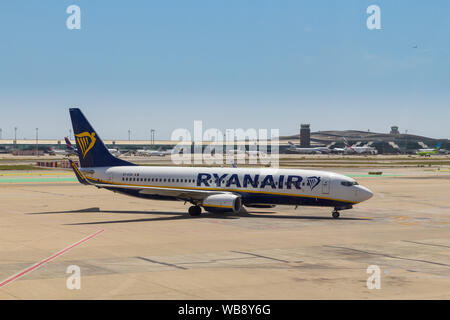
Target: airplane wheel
195,210
335,214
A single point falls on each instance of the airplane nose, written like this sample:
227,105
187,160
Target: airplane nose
364,194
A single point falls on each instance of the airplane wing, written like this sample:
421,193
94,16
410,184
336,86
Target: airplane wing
172,192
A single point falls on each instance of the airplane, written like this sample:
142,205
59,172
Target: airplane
149,153
114,152
74,151
429,152
214,189
314,150
348,149
69,151
58,152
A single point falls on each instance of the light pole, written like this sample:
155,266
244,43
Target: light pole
15,137
406,141
70,134
129,135
0,133
37,142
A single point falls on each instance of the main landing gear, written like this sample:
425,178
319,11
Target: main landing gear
335,214
195,210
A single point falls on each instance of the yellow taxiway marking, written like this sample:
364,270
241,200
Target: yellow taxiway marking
37,174
401,220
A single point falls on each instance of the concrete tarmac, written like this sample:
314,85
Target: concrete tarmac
155,250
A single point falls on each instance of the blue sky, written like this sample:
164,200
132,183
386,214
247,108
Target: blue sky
233,64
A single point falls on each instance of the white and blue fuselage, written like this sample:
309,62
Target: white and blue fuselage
255,186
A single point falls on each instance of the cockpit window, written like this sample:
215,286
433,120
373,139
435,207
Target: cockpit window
349,183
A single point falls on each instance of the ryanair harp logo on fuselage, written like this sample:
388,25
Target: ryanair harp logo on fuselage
85,141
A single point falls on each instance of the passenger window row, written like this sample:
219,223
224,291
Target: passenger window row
157,179
139,179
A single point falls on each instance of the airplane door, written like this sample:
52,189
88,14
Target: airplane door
326,185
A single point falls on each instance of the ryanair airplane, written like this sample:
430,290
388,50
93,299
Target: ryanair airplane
213,189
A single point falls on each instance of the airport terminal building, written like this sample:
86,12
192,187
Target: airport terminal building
393,142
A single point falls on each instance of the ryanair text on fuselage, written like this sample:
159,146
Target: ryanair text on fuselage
256,181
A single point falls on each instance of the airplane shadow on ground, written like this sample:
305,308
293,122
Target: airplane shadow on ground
184,215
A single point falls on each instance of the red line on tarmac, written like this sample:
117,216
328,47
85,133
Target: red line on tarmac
42,262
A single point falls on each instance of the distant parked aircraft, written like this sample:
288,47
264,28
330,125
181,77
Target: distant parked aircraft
348,149
429,152
314,150
69,151
149,153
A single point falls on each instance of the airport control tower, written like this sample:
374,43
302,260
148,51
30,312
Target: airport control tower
305,136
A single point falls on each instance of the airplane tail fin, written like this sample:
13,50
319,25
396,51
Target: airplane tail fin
347,144
291,144
438,147
91,150
68,144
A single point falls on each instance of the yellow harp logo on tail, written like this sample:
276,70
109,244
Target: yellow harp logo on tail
85,141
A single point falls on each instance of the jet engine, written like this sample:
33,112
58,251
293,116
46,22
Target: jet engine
222,203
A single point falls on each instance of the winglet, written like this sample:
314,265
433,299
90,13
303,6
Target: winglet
77,172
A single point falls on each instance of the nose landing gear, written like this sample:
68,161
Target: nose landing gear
336,210
335,214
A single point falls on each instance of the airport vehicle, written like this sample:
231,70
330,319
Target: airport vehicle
314,150
348,149
430,152
214,189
